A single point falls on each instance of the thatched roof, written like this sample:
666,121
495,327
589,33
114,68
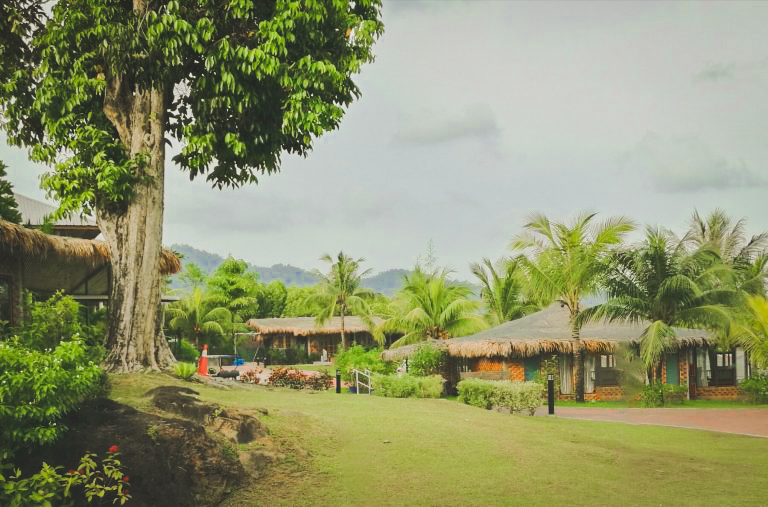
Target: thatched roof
548,331
29,242
303,326
399,353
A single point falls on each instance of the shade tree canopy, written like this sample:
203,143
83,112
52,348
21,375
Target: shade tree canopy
98,89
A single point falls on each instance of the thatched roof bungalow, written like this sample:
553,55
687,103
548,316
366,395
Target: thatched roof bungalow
284,333
31,260
517,350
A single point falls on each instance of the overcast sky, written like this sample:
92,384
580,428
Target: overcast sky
476,114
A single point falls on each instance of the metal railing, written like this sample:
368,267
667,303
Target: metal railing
358,382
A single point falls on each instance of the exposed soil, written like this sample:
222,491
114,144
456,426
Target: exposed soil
179,452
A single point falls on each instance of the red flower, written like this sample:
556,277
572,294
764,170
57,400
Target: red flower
113,449
125,478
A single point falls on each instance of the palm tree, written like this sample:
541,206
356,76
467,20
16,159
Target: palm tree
724,236
503,294
566,263
193,319
430,307
661,283
340,292
719,233
752,331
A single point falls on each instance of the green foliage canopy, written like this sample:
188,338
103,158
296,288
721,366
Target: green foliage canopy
242,82
429,306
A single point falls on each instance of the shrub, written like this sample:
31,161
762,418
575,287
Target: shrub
59,318
475,392
551,365
38,388
756,387
185,371
407,386
426,360
516,396
284,377
276,356
187,352
297,355
358,357
50,487
657,394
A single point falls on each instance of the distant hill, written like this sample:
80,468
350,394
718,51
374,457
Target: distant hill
387,282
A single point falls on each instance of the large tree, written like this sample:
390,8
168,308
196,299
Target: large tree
565,262
103,86
340,293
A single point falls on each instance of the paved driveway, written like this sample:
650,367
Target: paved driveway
745,421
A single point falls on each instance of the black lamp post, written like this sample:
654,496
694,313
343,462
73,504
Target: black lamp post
338,381
551,392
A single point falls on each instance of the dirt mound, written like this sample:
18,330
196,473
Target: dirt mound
170,461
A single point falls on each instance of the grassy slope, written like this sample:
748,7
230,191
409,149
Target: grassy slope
441,452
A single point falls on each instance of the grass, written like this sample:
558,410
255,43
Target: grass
367,450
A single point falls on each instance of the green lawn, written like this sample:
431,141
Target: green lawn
365,450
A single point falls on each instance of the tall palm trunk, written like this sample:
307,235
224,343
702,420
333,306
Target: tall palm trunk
134,232
343,340
578,359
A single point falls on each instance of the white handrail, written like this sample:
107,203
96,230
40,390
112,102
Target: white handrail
358,382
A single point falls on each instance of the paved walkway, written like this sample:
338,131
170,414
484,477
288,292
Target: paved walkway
745,421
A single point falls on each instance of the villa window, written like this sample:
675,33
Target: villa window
606,373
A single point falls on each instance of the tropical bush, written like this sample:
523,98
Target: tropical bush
185,371
359,358
476,392
276,356
756,387
516,396
51,487
549,366
187,352
657,394
48,323
426,360
407,386
284,377
38,388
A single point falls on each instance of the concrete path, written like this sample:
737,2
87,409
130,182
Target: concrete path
745,421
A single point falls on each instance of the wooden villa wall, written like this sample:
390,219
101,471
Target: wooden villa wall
11,273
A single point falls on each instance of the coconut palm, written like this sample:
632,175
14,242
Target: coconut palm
724,236
752,331
502,293
430,307
565,262
339,292
727,238
193,318
662,284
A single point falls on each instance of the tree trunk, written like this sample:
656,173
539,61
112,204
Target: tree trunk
134,232
578,360
343,340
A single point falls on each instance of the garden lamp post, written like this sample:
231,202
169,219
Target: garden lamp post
551,392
